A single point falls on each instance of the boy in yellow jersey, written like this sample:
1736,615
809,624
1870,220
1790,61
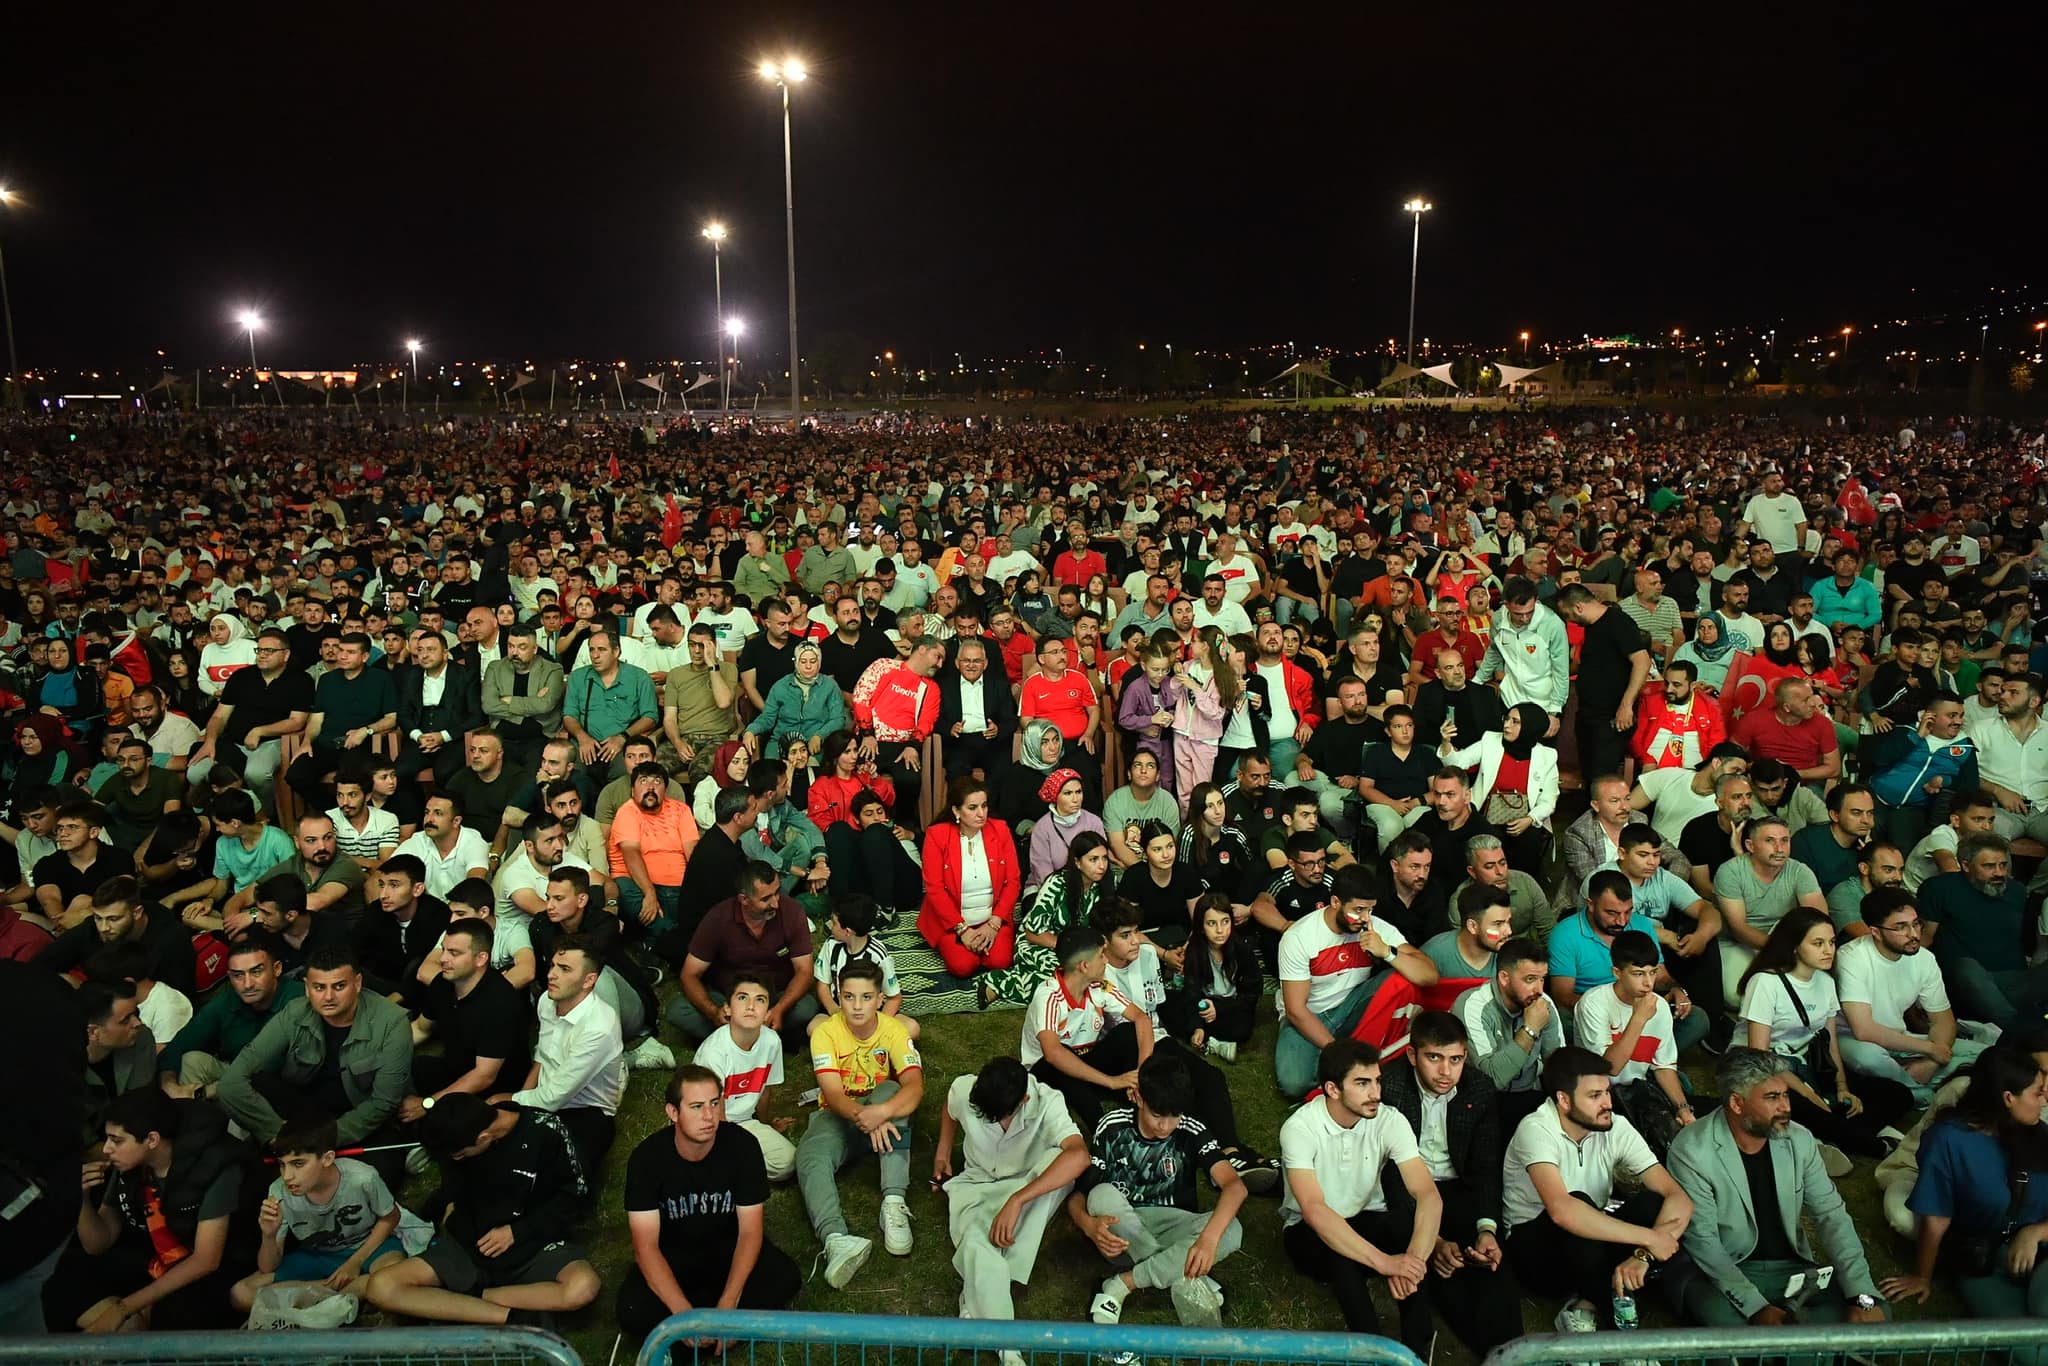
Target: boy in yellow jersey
870,1082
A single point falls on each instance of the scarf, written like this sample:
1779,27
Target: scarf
1534,722
1722,646
1034,738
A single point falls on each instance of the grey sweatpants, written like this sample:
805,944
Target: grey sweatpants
828,1144
1159,1236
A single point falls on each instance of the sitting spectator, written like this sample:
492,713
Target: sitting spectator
1517,788
164,1009
1512,1026
1789,1006
1746,1255
137,797
1393,778
700,697
1065,901
1331,963
403,926
66,879
870,1083
1982,1187
1064,821
1020,1154
606,701
971,886
759,929
513,1187
191,1064
696,1199
1559,1176
1970,812
121,917
1934,759
1756,890
1882,977
446,846
1139,1205
748,1058
1486,865
579,1069
1972,920
1127,810
478,1018
1215,1004
651,841
154,1249
1485,922
120,1052
849,930
337,1052
1833,850
1628,1024
783,836
368,834
352,705
801,705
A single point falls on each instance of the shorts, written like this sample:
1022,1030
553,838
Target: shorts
461,1270
318,1263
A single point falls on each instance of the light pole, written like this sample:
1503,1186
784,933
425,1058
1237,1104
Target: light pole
251,320
789,71
732,329
1983,341
1525,346
1846,333
7,199
413,345
1418,207
714,233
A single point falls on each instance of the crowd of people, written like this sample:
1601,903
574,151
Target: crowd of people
380,798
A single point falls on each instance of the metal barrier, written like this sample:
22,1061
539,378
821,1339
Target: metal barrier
452,1346
757,1337
1957,1342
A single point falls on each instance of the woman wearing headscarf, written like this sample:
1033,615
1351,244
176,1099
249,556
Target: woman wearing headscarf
68,692
799,706
1039,747
1710,652
1517,787
729,768
1060,823
227,649
40,758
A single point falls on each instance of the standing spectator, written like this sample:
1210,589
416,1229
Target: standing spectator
1613,665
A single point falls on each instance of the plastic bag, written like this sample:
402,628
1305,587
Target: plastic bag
301,1306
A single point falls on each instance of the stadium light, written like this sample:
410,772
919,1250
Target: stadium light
714,233
1418,207
8,199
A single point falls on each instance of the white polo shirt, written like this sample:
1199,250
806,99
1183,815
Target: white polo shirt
1345,1162
471,851
2004,759
1587,1167
1889,987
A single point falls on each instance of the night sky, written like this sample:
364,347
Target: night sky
515,180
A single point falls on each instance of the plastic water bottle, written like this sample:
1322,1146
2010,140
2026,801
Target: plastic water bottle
1625,1313
1202,1006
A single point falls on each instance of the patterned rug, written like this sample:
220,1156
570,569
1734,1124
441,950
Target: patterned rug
928,989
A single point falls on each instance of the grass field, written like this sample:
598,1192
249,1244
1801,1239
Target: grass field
1260,1285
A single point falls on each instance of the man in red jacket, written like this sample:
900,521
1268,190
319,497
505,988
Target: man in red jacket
894,710
1677,725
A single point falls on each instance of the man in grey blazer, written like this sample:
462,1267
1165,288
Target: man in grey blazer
1744,1265
522,697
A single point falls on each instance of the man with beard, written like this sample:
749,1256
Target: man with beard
652,838
1975,917
121,916
522,696
1451,696
1881,865
1678,725
340,1052
479,1019
191,1064
770,655
1512,1026
1558,1180
1751,1174
485,786
447,848
847,652
1882,976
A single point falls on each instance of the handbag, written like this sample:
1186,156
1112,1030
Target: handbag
1502,807
1977,1255
1815,1066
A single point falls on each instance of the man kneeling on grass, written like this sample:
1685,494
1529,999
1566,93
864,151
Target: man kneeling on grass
514,1186
321,1201
1136,1202
695,1196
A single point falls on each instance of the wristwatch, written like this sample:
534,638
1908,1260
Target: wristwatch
1863,1301
426,1102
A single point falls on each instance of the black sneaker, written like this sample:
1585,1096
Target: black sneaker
1261,1175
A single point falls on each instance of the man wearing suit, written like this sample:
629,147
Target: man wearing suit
977,714
522,696
1457,1128
1744,1260
437,707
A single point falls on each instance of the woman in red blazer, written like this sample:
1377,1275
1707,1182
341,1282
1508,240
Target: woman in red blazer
971,884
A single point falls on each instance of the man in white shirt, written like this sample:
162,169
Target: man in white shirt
522,882
1335,1222
1240,573
733,623
1557,1179
446,848
171,736
1630,1025
1879,977
1330,965
2012,760
1973,812
1777,516
1673,796
1020,1154
1217,608
663,647
579,1063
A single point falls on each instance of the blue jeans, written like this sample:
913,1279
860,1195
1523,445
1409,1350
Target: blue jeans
1295,1058
2003,997
1281,750
21,1297
669,898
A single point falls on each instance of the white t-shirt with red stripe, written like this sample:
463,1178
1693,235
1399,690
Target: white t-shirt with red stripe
1602,1017
747,1071
1077,1023
1332,963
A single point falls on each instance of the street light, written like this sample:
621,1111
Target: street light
733,328
1418,207
1845,341
413,345
714,233
789,71
251,321
1525,346
1983,340
8,199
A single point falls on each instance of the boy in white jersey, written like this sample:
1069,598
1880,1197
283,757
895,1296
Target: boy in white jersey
748,1058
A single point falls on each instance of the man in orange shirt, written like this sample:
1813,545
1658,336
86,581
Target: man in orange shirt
650,843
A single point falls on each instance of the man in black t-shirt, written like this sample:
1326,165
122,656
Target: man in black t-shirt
120,916
695,1198
65,881
482,1021
1613,665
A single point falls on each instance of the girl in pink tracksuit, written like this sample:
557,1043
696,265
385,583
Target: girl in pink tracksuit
1209,692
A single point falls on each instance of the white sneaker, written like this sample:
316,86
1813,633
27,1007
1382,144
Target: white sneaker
896,1226
1577,1317
1835,1162
418,1160
1108,1304
844,1256
1197,1303
652,1055
1220,1048
1010,1359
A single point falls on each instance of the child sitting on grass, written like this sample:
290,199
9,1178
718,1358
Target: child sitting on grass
748,1058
